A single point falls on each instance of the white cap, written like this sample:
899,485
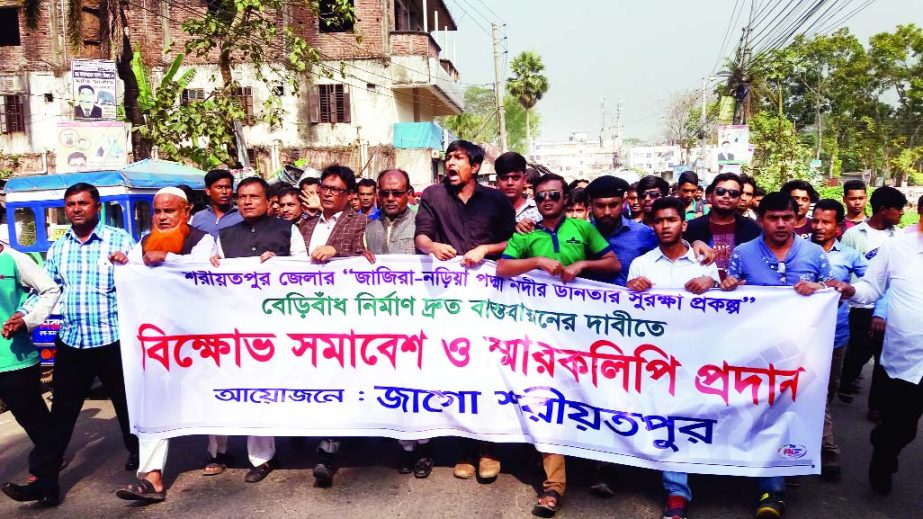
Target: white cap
175,191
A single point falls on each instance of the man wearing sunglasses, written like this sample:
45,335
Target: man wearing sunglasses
724,226
650,189
393,231
562,247
777,258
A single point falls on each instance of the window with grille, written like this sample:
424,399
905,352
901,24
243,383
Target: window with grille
245,96
13,114
331,104
192,95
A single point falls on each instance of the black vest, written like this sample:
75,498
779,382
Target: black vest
253,239
192,239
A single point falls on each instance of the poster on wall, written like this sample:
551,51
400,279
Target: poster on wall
94,89
734,144
91,145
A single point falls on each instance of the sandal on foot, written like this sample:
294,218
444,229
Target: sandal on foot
548,504
141,490
216,465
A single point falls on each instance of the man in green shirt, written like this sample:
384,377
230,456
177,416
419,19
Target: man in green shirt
563,247
559,245
20,373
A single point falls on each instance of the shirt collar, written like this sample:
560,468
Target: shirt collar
540,225
333,218
399,218
689,256
211,209
764,249
96,232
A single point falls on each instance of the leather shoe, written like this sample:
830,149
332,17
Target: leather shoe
406,464
880,482
259,472
47,494
464,470
132,462
323,471
488,467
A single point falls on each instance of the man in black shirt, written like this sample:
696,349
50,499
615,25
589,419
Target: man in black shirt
460,216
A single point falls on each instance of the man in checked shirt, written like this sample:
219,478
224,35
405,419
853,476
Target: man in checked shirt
81,262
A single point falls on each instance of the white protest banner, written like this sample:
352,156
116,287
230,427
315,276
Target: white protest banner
723,383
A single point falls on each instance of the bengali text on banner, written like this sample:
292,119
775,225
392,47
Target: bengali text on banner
409,347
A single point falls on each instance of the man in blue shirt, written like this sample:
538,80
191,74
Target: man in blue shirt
777,258
845,262
628,239
220,213
88,341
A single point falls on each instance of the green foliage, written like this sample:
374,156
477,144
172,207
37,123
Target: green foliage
249,32
527,84
195,132
780,155
479,121
867,101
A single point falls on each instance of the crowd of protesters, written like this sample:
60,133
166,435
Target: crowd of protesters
648,234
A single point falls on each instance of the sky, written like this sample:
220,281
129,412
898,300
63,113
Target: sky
642,51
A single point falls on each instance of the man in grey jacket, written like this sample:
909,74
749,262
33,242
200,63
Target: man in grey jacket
393,233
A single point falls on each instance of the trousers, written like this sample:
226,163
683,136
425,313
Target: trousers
21,390
74,372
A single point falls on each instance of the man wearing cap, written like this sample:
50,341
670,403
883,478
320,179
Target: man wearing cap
170,238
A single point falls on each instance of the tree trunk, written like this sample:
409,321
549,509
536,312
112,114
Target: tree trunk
140,147
224,65
528,134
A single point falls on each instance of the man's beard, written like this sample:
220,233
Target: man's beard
170,240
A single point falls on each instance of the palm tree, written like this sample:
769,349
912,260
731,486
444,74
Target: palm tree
527,85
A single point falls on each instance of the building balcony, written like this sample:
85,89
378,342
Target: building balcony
417,68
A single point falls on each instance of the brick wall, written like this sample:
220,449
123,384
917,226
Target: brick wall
157,24
35,52
414,44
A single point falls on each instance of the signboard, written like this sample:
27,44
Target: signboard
412,348
734,144
89,145
94,89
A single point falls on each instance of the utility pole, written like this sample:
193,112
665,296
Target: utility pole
498,85
702,119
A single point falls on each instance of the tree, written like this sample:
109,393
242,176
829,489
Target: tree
249,32
479,121
683,120
527,85
196,132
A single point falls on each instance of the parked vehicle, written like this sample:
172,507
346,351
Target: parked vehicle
35,213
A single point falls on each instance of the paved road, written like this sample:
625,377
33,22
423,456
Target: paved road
368,486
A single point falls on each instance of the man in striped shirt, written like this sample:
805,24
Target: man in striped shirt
81,263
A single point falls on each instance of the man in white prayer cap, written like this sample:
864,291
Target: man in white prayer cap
171,233
170,238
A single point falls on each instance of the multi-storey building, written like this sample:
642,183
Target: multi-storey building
369,104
